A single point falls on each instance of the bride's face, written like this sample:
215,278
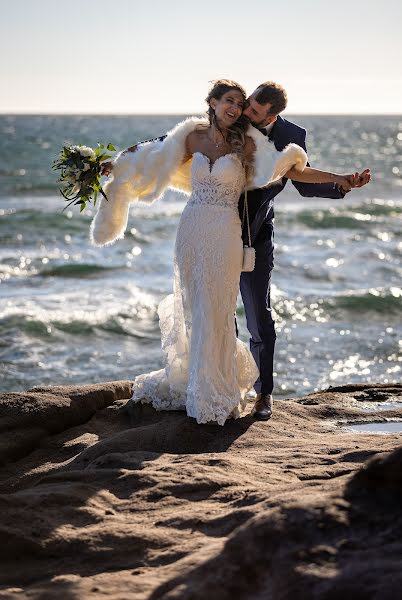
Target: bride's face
228,108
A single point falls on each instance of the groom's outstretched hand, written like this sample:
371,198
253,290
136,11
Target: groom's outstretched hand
357,180
362,178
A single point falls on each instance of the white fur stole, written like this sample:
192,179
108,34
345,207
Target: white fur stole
145,174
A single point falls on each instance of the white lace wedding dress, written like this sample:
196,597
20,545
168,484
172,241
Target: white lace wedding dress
208,371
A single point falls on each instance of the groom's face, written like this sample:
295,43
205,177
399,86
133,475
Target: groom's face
258,114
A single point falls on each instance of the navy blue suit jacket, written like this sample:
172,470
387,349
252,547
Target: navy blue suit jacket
261,201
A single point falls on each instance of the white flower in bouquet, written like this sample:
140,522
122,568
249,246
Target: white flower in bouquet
87,152
71,176
87,166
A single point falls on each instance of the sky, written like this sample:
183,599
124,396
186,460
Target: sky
159,56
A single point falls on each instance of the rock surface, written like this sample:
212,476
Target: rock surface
100,502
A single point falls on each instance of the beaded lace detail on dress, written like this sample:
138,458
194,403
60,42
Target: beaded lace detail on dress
208,371
216,186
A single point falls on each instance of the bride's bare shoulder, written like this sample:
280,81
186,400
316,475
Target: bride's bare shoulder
195,137
194,142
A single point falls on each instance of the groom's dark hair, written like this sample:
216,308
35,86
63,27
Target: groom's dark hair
274,94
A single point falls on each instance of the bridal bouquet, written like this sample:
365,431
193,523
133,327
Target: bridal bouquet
80,168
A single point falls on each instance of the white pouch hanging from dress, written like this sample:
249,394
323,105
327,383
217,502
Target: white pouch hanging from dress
248,250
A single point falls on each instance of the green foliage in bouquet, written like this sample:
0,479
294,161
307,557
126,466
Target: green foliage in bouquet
80,168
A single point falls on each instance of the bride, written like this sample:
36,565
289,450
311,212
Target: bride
208,371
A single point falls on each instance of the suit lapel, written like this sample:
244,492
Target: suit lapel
274,134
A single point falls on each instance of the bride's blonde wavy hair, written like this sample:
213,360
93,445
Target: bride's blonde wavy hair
236,134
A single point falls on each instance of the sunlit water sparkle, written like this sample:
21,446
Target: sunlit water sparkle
72,313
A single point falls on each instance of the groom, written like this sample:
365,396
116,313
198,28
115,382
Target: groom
263,108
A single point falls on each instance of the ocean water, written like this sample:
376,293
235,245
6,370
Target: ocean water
72,313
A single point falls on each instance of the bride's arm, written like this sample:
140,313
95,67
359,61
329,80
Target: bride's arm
192,144
189,146
310,175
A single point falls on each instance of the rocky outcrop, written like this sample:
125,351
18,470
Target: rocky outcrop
27,418
97,502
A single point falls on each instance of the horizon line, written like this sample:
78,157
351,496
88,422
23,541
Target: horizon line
197,113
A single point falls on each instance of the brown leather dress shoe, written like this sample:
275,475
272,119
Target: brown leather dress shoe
262,410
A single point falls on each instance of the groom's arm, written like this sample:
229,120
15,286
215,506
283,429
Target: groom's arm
134,148
107,167
319,190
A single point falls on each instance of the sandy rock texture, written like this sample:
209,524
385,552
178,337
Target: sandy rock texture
99,501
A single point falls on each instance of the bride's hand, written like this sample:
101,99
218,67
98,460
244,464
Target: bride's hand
106,168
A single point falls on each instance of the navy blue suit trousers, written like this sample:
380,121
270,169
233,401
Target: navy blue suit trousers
255,287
